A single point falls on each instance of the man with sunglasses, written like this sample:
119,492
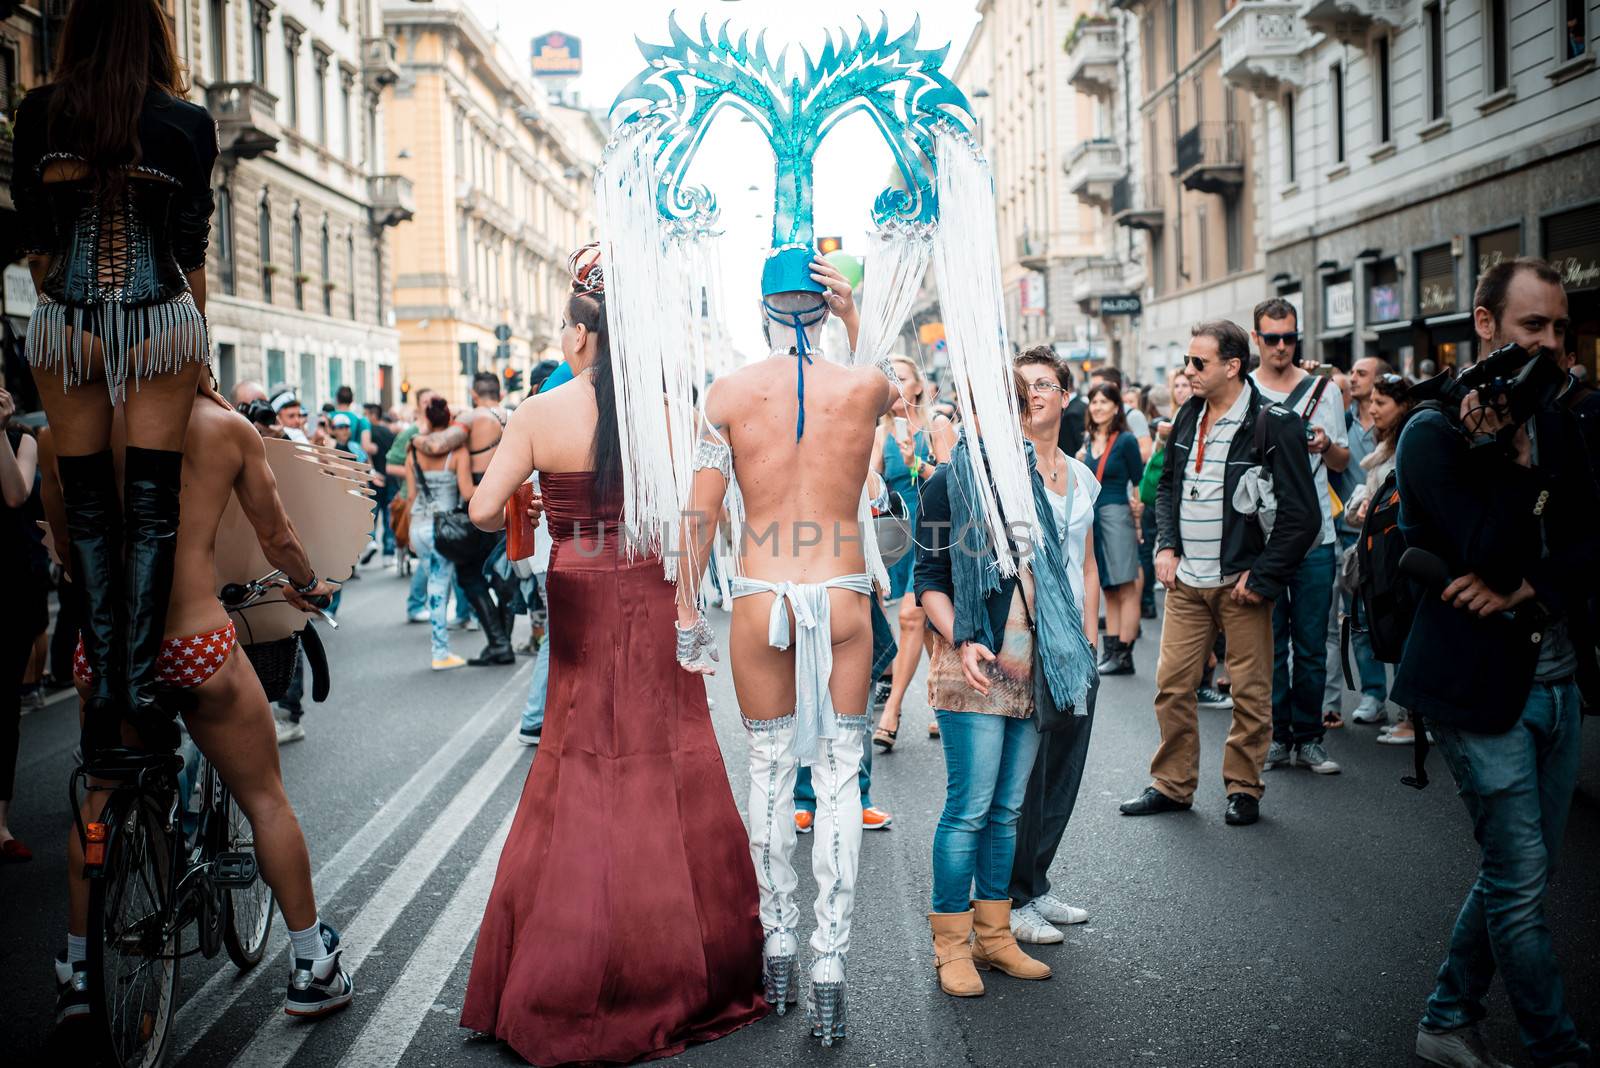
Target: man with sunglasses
1221,569
1300,617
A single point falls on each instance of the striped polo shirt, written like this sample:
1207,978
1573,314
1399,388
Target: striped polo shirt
1201,499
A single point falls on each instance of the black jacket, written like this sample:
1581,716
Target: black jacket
1270,561
164,214
933,569
1475,508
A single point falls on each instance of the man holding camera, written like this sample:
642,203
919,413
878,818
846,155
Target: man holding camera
1222,570
1300,616
1497,485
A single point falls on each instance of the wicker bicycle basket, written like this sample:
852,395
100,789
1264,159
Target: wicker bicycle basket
274,662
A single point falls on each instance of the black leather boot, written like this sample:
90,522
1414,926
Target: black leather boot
94,523
1110,646
498,650
152,479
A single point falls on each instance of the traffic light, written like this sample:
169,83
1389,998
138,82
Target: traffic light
826,245
513,380
405,389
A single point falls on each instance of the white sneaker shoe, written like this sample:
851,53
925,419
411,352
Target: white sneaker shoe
1462,1048
1027,925
418,617
368,552
1370,710
1055,910
289,731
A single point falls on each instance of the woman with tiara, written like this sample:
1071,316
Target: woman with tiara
600,943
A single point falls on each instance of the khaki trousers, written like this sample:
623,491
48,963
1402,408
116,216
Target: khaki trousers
1193,617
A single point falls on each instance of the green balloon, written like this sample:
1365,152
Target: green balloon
847,265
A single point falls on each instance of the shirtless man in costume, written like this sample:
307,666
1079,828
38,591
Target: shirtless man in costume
227,716
797,435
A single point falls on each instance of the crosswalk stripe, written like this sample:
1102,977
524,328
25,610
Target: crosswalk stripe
280,1038
388,1034
213,999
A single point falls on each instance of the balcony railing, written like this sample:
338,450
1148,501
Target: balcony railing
1262,41
1095,49
1350,21
1138,209
1032,251
247,125
392,199
1093,168
1097,278
379,63
1211,157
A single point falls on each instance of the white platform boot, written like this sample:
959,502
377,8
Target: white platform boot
835,853
773,764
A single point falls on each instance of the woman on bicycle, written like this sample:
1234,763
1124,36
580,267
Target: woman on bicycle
112,186
201,668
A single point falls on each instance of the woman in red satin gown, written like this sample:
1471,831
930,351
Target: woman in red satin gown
623,921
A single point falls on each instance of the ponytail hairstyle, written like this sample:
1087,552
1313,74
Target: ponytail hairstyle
586,307
437,412
112,52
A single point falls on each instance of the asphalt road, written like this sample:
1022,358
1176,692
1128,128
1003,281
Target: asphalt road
1309,939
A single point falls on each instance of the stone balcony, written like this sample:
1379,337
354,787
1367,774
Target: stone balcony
392,199
1262,41
1096,278
1350,21
1093,170
1136,208
380,65
1211,158
1094,52
247,124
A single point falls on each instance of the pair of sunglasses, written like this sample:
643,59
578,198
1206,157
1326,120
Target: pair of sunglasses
1291,338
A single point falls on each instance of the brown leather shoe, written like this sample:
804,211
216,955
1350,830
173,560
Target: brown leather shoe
996,947
952,954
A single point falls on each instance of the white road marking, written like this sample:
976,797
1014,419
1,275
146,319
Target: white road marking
390,1031
281,1037
226,985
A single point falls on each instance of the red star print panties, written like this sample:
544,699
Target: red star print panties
184,662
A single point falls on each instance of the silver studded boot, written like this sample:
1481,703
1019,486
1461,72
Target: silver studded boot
772,836
835,852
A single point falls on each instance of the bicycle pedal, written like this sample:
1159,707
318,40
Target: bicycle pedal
234,870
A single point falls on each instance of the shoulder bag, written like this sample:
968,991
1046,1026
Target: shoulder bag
454,536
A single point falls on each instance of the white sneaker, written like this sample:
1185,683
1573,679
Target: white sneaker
1314,756
1370,710
472,623
1027,925
417,617
1462,1048
289,731
1055,910
369,552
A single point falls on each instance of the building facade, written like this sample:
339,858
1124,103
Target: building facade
298,272
1196,196
1404,146
1031,122
504,190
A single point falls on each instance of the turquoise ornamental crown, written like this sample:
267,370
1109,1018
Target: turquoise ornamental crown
898,85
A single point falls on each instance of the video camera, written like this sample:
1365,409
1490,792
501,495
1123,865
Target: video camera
1513,381
259,412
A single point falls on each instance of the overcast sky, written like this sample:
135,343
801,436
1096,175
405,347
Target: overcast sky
852,166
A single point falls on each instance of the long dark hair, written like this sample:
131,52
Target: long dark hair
588,310
112,53
1119,421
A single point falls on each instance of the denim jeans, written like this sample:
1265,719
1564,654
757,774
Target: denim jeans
441,575
533,711
417,596
1300,619
987,760
1517,787
381,502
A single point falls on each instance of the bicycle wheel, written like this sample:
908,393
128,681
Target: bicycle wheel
133,959
246,911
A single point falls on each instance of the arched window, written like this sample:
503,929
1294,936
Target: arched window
264,231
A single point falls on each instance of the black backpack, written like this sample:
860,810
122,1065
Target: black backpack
1388,598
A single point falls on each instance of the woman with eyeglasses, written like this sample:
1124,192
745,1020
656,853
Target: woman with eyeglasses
909,448
1113,455
1391,407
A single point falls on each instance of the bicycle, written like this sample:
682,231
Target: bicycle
160,859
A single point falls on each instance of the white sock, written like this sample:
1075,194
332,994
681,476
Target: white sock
308,944
77,948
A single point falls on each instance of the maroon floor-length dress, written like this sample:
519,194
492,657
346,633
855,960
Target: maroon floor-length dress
623,924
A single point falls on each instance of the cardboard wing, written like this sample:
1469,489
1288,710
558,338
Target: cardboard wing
329,501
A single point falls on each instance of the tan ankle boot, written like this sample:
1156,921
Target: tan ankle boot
997,948
952,954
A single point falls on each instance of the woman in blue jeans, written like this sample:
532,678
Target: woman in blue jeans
982,687
436,484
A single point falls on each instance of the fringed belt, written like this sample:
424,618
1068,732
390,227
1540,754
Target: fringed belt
137,341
